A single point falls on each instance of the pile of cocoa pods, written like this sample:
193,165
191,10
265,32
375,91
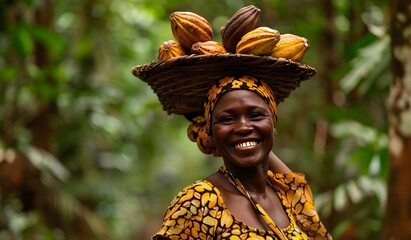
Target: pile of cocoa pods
242,34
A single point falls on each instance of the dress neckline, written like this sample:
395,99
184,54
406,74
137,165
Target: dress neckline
257,207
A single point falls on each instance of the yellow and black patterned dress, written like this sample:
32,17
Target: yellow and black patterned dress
199,212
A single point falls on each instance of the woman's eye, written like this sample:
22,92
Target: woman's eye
226,120
256,115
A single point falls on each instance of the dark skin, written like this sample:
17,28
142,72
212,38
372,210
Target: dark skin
240,117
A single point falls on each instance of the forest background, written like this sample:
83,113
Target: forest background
86,151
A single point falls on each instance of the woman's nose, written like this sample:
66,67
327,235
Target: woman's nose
242,126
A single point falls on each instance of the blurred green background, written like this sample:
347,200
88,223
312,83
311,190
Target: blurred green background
86,151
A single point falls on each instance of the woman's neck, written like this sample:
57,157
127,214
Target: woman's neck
254,179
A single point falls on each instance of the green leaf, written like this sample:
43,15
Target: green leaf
9,74
54,42
361,133
22,40
367,62
340,198
354,192
46,161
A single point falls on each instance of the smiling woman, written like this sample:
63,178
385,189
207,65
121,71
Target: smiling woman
239,124
244,198
243,129
231,101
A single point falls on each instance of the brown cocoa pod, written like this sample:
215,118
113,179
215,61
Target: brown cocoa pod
189,28
209,47
243,21
291,46
259,41
169,49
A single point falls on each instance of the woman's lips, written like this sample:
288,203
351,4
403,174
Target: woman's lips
244,145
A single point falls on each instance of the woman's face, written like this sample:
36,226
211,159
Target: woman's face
243,128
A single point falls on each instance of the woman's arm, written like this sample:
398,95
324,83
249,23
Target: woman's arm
276,165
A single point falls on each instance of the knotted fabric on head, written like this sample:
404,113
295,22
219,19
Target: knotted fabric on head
199,130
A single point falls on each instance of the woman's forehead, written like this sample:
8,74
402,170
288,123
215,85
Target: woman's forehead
240,97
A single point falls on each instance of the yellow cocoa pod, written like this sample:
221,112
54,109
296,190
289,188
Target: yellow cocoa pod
189,28
169,49
259,41
209,47
291,46
242,21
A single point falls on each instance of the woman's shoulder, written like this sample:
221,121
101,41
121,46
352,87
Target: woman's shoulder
291,180
200,186
200,193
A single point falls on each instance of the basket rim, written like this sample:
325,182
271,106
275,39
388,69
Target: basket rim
181,83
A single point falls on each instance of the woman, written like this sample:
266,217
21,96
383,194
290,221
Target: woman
243,200
231,101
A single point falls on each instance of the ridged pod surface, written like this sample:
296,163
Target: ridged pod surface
209,47
291,46
189,28
243,21
169,49
259,41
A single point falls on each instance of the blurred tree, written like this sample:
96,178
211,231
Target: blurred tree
398,212
29,106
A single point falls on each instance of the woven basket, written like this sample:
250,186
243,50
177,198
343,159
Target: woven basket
181,83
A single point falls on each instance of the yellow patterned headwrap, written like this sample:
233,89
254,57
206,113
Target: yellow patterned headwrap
199,129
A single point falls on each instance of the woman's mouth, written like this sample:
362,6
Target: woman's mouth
244,145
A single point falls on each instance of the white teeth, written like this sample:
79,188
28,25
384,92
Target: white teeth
245,144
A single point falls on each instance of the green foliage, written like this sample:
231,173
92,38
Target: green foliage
372,62
116,159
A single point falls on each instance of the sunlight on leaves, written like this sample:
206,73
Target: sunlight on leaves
367,66
46,161
363,134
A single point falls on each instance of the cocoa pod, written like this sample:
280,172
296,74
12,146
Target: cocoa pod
169,49
189,28
243,21
291,46
259,41
209,47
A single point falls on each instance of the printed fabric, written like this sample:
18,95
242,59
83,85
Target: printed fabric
199,212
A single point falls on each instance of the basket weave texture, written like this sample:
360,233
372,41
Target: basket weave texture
181,83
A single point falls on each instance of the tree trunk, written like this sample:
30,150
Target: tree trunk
397,223
330,62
